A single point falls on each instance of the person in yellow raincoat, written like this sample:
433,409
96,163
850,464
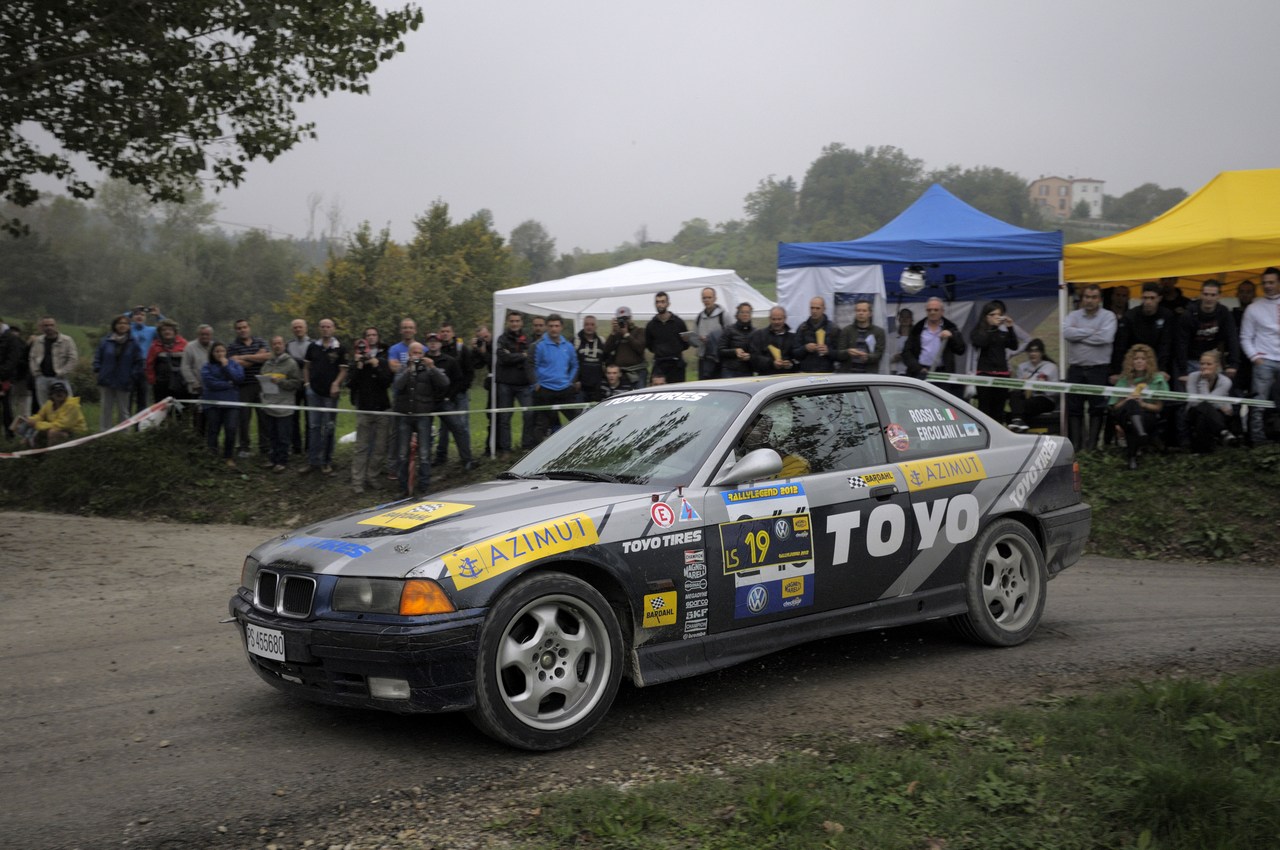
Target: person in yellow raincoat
58,420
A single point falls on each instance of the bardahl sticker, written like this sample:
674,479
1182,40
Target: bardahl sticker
496,555
412,516
660,609
871,479
756,494
942,471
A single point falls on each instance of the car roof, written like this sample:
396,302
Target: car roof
772,383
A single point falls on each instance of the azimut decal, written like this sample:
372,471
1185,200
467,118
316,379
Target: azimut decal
496,555
942,471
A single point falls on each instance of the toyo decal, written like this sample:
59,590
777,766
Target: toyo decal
1027,482
412,516
338,547
660,609
955,519
942,471
661,541
488,558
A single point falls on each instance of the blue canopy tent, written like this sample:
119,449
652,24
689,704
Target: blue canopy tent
966,256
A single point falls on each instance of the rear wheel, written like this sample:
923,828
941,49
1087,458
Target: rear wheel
1005,586
549,665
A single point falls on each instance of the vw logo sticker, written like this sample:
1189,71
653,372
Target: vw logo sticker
782,529
757,599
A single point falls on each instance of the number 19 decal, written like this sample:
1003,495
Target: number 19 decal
766,542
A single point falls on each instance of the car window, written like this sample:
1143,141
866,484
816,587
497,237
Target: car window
659,438
921,424
818,433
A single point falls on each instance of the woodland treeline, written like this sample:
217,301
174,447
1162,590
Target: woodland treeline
85,261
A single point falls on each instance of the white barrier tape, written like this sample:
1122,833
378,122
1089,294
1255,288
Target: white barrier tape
147,418
1091,389
485,411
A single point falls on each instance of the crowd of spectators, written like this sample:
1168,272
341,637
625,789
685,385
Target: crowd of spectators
1165,341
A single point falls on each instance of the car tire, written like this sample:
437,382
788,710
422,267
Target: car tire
1005,586
549,665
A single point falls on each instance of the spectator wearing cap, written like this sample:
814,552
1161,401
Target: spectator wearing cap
625,349
58,420
53,355
555,368
667,336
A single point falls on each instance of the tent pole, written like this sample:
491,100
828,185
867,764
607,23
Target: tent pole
1063,304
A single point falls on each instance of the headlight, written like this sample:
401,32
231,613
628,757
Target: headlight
390,596
248,572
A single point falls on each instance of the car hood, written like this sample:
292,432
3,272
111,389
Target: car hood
391,540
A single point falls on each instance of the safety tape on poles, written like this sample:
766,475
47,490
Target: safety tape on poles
486,411
1053,387
148,418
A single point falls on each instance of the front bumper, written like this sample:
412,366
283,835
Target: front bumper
331,662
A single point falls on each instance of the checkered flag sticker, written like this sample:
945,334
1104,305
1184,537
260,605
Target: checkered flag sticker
856,481
657,603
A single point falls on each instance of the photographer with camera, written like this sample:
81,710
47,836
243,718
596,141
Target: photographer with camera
417,384
370,380
143,334
625,349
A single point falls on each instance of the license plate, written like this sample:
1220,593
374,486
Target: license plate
267,643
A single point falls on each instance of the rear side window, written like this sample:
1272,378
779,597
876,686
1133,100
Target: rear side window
921,424
818,433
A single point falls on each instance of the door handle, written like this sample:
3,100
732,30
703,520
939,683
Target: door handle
884,491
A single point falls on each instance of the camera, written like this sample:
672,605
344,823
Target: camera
362,350
623,321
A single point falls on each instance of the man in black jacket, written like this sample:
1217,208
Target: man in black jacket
816,340
933,346
667,337
450,398
1150,323
369,379
735,345
514,380
1207,325
771,347
417,385
460,395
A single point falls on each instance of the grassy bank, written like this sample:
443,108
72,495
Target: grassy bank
1179,765
1221,507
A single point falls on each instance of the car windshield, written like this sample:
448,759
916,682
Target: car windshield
641,438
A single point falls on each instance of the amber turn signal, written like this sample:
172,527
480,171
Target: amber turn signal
423,596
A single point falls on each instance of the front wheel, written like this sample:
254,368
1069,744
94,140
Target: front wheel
1005,586
549,664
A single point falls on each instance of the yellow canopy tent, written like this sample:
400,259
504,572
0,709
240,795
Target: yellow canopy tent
1228,231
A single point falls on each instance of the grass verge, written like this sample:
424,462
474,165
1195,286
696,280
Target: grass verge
1175,765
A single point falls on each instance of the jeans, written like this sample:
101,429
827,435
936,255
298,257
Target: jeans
1095,375
279,435
459,426
251,393
508,395
407,426
320,429
221,419
372,431
548,420
1264,378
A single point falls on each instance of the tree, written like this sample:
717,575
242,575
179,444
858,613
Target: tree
771,208
157,93
531,244
1141,204
1081,211
848,193
996,192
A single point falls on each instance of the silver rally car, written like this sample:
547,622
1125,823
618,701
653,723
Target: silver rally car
664,533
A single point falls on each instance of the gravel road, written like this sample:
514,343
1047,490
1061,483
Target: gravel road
131,719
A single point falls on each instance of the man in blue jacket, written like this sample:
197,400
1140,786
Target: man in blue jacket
555,368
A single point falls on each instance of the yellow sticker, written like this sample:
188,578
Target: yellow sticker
942,471
793,586
412,516
800,523
660,609
496,555
874,479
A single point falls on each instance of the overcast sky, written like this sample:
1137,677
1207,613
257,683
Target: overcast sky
597,118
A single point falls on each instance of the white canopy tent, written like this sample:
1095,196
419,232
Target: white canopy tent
631,285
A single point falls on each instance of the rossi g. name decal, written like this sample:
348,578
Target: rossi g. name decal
495,556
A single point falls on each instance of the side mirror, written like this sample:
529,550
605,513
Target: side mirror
757,464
